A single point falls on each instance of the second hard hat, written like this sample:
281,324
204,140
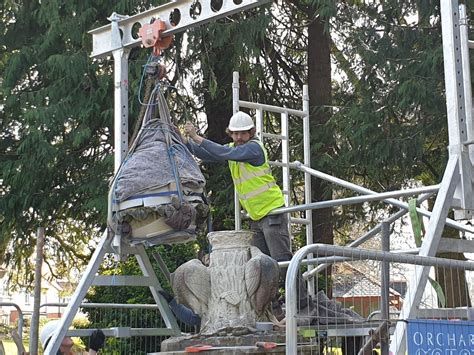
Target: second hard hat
240,121
48,331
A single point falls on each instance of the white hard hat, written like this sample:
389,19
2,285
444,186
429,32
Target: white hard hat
48,331
240,121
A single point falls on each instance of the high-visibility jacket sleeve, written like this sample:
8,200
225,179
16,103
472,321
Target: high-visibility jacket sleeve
250,152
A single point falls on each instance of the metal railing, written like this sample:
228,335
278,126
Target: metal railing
21,318
129,328
354,296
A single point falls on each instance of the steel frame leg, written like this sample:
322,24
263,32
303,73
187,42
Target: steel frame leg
88,280
148,271
428,248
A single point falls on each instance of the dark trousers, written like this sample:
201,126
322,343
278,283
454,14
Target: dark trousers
271,236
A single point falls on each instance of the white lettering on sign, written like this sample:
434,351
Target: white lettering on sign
451,339
441,339
432,338
418,338
429,338
438,351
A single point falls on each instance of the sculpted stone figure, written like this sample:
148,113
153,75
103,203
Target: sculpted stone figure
236,288
192,286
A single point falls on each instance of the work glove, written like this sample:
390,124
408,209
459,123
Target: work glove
97,340
166,296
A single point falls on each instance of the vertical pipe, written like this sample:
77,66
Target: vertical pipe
21,322
120,56
120,115
120,94
452,63
307,181
454,72
285,157
235,92
37,295
464,28
385,294
120,106
467,152
291,300
235,108
259,124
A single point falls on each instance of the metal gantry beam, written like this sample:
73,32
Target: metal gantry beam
179,15
458,101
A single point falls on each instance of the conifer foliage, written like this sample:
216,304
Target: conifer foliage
376,92
56,128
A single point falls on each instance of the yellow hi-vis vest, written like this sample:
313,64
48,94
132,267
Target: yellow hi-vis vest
256,187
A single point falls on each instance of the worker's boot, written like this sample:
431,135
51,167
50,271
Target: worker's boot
334,309
308,314
355,317
325,301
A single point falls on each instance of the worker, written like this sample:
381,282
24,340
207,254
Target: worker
183,313
257,190
96,341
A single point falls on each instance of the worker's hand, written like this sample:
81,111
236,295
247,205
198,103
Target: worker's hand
190,130
97,340
166,295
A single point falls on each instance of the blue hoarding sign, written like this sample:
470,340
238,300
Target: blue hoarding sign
440,337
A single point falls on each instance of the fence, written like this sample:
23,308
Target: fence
359,294
20,323
129,328
368,289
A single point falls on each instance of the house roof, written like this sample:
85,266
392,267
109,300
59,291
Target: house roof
354,285
357,284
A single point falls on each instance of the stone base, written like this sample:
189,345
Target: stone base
242,344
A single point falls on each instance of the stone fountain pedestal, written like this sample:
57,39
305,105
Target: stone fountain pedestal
244,344
229,303
230,295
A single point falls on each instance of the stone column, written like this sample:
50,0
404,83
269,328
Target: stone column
237,287
229,304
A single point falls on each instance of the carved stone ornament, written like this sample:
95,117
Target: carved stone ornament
237,287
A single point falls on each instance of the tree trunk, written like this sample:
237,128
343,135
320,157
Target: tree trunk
319,82
218,104
218,108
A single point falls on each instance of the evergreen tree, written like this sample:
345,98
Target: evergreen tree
56,130
274,58
380,121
